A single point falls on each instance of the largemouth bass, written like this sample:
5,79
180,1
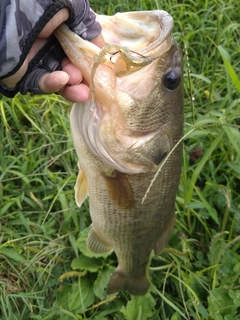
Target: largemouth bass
123,134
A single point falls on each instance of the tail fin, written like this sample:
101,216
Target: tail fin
137,286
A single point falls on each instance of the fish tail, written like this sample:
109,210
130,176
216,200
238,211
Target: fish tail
137,286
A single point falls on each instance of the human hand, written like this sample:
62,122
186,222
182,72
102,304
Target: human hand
31,58
69,81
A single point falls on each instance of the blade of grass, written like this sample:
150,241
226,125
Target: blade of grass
170,303
231,72
200,166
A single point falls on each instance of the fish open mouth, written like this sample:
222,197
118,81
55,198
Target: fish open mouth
134,37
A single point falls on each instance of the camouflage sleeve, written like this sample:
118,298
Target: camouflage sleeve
20,24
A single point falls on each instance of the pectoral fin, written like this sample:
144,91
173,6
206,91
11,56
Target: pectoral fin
81,188
120,190
96,244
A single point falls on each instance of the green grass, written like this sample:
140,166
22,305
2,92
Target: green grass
46,271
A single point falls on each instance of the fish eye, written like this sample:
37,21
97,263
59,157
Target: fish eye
172,80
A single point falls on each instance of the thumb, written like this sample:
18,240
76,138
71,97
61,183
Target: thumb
53,82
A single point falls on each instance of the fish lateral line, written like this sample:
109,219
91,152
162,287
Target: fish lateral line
128,56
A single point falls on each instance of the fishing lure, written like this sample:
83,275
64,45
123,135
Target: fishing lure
130,57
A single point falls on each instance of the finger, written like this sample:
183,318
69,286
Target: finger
75,74
53,82
38,44
99,41
56,20
76,93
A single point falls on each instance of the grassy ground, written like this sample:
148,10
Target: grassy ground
46,271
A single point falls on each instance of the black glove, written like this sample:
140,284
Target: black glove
20,24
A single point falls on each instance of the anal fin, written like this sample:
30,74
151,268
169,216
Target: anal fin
96,244
81,188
